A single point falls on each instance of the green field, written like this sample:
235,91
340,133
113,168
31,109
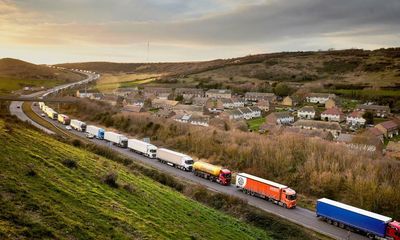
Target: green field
7,85
43,197
254,124
368,93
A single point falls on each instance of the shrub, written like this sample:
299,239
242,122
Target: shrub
31,170
70,163
111,179
129,187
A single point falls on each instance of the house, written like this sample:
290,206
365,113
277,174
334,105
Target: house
189,92
156,91
330,103
124,92
375,132
214,105
280,118
332,127
246,113
132,108
238,102
162,103
164,96
359,142
306,112
319,98
111,99
183,118
255,111
219,93
388,128
332,115
233,114
199,120
188,109
227,103
257,96
393,149
355,119
199,101
378,110
97,96
133,102
310,133
84,94
288,101
264,105
165,113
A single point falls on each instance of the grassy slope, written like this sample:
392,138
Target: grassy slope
68,203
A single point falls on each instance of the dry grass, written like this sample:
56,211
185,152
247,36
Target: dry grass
109,82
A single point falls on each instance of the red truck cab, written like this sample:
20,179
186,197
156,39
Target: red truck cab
393,230
289,197
224,177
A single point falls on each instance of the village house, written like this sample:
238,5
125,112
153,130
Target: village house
332,127
234,114
111,99
310,133
97,96
332,115
264,105
375,132
246,113
199,101
319,98
162,103
359,142
199,120
214,105
238,102
132,108
164,96
355,119
165,113
330,103
183,118
188,109
189,92
133,102
306,112
84,94
257,96
388,128
148,92
377,110
227,103
124,92
280,118
288,101
243,113
255,111
219,93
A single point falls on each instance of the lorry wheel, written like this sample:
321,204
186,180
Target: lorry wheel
371,236
329,221
284,205
341,225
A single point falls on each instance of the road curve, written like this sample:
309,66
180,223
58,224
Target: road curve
300,216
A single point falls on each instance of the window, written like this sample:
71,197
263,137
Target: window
189,161
227,176
153,150
291,197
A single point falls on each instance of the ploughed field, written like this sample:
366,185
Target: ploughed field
49,189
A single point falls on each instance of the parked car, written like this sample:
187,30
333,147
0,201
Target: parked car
68,127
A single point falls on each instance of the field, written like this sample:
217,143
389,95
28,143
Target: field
51,190
254,124
110,82
7,84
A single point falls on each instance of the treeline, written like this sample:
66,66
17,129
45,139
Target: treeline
313,167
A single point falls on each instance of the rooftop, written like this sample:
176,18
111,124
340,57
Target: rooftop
333,111
307,109
389,125
318,124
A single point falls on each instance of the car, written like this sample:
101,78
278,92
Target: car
90,136
68,127
43,115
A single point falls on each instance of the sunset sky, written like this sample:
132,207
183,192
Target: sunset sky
56,31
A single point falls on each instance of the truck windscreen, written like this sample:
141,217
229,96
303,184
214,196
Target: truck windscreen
291,197
189,161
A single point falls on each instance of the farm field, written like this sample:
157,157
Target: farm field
109,82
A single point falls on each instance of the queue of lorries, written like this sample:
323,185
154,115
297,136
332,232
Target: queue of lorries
339,214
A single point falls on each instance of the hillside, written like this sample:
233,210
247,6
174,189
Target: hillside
16,74
51,190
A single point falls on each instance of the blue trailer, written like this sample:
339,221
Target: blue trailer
344,215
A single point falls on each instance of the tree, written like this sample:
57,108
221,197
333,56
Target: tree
179,98
369,117
282,89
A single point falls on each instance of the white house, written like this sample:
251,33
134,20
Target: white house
246,112
227,103
199,121
280,118
319,98
306,112
355,119
332,115
255,111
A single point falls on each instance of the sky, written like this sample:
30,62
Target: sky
58,31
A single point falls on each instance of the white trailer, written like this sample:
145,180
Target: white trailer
64,119
147,149
41,105
175,159
51,113
95,131
116,138
78,125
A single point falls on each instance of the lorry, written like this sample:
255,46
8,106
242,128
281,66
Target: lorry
64,119
78,125
212,172
175,159
41,105
51,113
359,220
144,148
116,139
95,131
269,190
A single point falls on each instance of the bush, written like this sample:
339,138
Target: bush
31,170
76,143
70,163
129,187
111,179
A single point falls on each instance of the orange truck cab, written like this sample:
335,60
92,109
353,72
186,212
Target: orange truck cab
289,197
225,177
393,230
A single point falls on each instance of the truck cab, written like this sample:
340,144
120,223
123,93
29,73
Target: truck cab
188,164
289,197
393,230
152,152
225,177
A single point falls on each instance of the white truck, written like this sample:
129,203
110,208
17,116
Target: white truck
175,159
41,105
144,148
95,131
51,113
116,138
78,125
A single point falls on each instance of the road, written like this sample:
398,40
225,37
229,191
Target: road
300,216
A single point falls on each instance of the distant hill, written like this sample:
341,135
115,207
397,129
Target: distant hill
19,69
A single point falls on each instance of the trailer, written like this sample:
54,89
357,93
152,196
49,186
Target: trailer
141,147
95,131
64,119
41,105
51,113
269,190
116,139
78,125
175,159
212,172
359,220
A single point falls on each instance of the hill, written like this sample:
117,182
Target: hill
51,190
15,74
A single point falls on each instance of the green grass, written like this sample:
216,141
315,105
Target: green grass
7,85
368,93
40,198
254,124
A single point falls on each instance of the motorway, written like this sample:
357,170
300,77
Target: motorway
300,216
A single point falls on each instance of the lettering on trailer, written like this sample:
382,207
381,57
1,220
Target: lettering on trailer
241,181
274,189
